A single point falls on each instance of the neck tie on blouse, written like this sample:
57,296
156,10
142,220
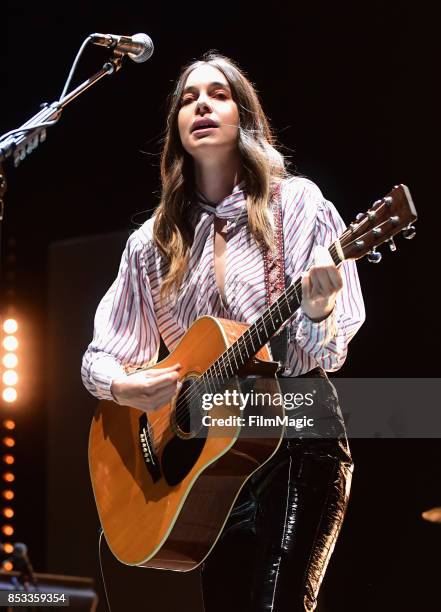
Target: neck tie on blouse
231,207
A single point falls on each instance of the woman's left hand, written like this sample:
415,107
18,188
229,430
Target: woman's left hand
320,286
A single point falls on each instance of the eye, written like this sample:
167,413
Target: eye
221,94
185,101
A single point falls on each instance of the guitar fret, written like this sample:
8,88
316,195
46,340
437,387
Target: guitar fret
283,309
272,321
245,345
264,327
251,338
280,312
257,332
222,368
235,361
214,368
297,295
229,363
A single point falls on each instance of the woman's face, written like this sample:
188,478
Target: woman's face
206,98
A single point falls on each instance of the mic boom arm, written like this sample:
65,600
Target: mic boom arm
23,140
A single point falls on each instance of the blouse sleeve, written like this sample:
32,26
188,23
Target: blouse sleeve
125,329
325,343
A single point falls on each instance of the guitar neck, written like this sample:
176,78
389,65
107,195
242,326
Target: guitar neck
259,333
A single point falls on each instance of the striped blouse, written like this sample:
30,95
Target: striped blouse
130,318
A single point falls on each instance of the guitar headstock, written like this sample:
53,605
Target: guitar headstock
392,214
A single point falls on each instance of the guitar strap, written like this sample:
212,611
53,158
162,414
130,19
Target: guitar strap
274,267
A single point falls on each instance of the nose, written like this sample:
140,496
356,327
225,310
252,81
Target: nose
203,104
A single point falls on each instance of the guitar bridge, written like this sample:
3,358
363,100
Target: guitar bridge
147,448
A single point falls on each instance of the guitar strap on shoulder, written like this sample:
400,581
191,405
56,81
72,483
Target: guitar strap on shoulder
274,267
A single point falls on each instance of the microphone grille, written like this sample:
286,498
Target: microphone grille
147,42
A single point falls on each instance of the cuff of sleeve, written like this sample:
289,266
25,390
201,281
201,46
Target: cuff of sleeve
103,371
315,334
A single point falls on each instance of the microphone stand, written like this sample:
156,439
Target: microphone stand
21,142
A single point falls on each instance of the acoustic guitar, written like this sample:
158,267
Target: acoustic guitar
164,484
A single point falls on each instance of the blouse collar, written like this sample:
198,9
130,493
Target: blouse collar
230,207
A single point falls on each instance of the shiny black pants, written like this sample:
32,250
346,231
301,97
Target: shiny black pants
277,542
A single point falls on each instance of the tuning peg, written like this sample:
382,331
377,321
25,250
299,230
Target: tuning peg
409,232
374,256
392,245
359,217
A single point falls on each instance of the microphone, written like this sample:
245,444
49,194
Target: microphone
138,47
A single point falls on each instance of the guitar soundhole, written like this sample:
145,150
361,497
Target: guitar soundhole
182,451
188,412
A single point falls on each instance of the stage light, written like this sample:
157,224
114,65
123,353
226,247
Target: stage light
8,477
8,548
8,494
8,530
10,378
9,424
10,326
8,566
9,394
10,360
8,459
9,442
10,343
8,512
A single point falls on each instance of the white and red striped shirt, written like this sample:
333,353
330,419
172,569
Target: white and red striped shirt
130,317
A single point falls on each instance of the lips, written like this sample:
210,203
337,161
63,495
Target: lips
199,124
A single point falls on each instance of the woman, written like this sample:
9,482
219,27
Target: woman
201,253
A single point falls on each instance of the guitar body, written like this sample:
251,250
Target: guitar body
164,500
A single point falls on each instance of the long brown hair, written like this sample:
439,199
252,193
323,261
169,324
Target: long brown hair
263,166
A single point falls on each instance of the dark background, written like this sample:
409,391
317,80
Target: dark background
349,89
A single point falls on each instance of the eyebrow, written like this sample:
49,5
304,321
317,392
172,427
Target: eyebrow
213,84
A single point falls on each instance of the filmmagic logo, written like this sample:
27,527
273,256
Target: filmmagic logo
234,398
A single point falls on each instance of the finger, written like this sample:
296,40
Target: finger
158,395
160,382
173,368
161,399
306,286
335,278
173,375
324,282
317,283
323,260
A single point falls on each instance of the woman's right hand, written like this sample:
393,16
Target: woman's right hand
148,390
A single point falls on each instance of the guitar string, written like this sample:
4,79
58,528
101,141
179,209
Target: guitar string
224,361
221,364
221,361
347,233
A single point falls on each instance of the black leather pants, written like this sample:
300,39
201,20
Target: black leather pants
277,542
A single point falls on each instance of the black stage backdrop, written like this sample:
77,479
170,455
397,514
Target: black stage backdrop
349,89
